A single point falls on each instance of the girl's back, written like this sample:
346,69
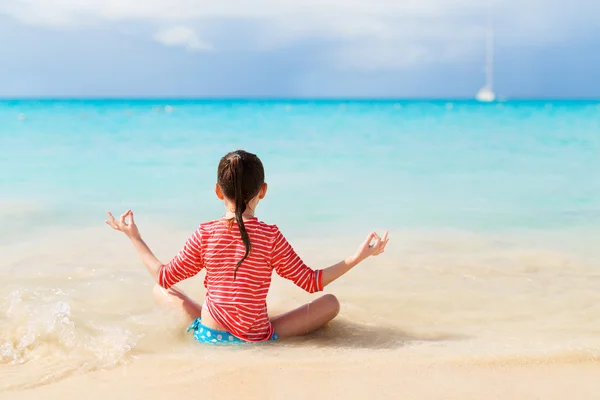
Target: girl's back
239,304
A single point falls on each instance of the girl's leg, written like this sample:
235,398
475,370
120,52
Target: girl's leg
174,297
307,318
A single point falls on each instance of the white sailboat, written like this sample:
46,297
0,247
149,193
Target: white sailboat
486,93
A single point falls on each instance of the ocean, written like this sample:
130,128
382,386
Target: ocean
493,212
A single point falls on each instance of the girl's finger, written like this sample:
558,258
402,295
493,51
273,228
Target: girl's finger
131,217
112,225
383,244
377,241
123,218
367,242
111,216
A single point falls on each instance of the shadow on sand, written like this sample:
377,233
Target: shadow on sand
347,334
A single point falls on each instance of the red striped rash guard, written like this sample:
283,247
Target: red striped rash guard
239,306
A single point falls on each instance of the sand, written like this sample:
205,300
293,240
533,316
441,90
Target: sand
317,380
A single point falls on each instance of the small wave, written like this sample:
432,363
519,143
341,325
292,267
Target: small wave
39,334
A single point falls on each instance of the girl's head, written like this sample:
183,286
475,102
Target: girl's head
241,184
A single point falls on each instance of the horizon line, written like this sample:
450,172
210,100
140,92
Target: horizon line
500,99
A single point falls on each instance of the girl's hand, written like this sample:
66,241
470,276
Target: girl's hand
365,250
368,249
130,229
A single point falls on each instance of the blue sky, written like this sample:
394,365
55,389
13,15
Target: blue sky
293,48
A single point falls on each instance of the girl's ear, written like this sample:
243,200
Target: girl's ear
263,191
219,192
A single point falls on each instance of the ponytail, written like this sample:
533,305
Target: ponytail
237,173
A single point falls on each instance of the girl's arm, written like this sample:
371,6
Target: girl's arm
366,250
289,265
152,263
130,229
185,265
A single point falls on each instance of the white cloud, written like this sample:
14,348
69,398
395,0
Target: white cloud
181,36
366,33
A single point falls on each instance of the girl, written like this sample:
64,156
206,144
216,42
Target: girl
239,253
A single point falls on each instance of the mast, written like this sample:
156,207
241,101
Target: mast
489,67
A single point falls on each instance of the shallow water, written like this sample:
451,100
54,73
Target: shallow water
493,213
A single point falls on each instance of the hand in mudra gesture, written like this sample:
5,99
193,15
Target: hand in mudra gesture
128,228
372,246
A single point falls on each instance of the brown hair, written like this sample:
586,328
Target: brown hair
240,176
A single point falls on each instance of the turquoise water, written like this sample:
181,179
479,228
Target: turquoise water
331,165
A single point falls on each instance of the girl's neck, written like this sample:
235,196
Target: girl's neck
248,214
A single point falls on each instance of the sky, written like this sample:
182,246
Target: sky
297,48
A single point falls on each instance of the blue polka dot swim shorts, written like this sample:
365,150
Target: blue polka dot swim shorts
207,335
